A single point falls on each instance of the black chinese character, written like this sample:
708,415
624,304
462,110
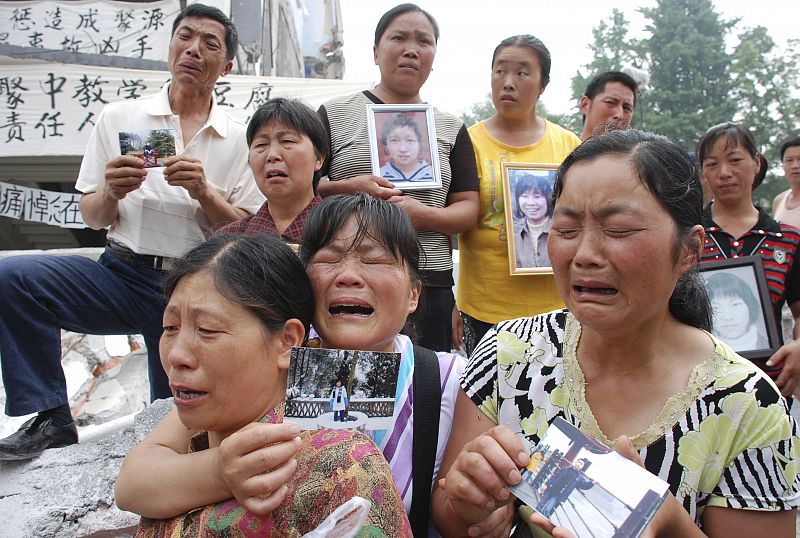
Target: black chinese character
11,202
108,45
259,95
88,20
21,19
87,119
54,86
70,211
153,19
71,44
142,42
54,210
14,127
52,123
220,89
12,88
53,19
89,91
37,204
35,39
123,19
131,88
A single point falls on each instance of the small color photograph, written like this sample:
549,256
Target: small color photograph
335,388
582,485
150,146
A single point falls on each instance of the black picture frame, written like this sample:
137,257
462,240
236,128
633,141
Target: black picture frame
745,274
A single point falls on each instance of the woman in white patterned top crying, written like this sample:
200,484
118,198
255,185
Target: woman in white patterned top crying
631,362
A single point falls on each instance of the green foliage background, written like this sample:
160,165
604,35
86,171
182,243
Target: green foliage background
703,70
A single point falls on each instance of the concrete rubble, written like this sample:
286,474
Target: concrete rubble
70,491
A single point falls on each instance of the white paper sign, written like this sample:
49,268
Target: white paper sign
130,29
48,207
49,109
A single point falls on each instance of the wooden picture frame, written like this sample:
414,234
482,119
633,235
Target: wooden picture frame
527,240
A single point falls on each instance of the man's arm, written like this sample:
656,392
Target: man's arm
187,172
123,174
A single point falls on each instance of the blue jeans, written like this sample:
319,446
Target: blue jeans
338,416
547,506
44,294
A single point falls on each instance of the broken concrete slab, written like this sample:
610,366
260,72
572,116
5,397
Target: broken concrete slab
69,492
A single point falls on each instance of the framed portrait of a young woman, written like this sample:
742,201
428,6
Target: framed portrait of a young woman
528,202
742,310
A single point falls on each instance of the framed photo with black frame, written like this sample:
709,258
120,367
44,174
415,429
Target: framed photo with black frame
528,201
743,316
403,145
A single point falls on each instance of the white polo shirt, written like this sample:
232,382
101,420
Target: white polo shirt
158,219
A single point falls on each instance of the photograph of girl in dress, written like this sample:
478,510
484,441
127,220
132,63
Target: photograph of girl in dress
404,147
533,218
738,319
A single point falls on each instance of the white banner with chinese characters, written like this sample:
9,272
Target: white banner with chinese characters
49,108
47,207
130,29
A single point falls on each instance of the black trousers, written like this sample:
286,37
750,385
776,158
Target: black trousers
431,323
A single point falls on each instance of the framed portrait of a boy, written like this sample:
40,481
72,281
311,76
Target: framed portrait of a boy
742,310
403,145
528,202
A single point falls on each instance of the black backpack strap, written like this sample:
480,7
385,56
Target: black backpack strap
427,406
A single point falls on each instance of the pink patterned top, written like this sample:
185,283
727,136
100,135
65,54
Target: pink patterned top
333,466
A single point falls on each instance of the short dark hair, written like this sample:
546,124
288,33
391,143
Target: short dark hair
402,9
668,173
208,12
399,120
294,114
734,133
727,285
259,272
386,223
598,84
791,143
533,43
537,184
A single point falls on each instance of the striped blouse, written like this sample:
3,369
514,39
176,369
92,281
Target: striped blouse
726,440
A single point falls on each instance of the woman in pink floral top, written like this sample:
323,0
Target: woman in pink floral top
227,329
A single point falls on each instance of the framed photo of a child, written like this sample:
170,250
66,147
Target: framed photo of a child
403,145
528,203
742,310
